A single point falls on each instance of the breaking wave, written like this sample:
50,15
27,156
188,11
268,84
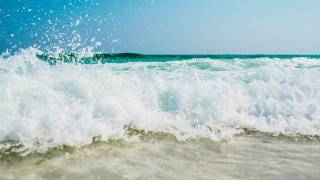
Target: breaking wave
44,106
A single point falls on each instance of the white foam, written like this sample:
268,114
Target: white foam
45,106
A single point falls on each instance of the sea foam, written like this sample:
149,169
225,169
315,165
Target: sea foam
44,106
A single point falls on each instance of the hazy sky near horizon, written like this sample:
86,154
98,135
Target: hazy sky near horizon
163,26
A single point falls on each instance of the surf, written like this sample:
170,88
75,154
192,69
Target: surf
46,105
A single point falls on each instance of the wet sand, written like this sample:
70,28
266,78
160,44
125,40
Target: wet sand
243,157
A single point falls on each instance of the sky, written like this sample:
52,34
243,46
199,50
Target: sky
163,26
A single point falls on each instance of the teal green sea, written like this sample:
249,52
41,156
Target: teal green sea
101,58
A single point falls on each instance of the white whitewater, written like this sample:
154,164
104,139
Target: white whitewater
44,106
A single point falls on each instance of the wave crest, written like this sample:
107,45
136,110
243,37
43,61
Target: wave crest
44,106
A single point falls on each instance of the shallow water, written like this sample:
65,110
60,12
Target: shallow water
244,157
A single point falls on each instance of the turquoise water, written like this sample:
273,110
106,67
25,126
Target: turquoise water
65,103
102,58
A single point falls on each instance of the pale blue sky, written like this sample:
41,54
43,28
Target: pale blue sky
164,26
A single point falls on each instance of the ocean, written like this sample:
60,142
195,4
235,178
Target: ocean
91,115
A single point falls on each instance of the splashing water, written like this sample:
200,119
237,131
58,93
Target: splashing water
44,106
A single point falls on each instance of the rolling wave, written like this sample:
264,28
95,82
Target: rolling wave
44,106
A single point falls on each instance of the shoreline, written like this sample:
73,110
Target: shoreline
243,157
